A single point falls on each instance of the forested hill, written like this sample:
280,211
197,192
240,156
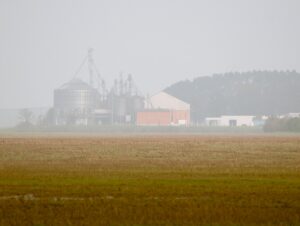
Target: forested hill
249,93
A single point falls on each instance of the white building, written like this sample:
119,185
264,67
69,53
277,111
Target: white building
226,120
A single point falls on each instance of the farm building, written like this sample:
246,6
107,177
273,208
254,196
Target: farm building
225,120
162,109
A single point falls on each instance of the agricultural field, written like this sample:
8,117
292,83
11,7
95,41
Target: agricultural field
149,180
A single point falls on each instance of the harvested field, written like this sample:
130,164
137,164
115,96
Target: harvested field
150,180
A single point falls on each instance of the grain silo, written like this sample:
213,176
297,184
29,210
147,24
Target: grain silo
75,101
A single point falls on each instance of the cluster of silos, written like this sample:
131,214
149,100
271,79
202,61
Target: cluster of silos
125,101
77,102
124,108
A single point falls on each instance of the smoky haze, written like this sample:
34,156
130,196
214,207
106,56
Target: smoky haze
159,42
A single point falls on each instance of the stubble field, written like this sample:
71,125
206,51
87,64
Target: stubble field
150,180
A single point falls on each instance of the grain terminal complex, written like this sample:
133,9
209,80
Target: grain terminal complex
79,103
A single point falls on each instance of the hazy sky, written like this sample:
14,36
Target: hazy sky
159,42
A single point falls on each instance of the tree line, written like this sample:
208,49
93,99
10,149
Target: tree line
249,93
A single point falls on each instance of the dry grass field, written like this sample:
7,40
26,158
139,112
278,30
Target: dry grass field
150,180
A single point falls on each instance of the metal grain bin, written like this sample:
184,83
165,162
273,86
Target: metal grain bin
76,95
